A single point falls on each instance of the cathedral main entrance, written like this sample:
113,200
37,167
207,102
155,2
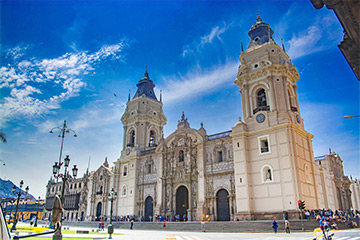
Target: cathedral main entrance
182,202
98,211
222,205
148,208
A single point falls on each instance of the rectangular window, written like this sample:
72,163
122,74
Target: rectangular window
264,144
220,156
125,170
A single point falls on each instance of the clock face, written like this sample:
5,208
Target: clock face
260,118
298,119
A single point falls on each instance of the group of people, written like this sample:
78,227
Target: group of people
275,226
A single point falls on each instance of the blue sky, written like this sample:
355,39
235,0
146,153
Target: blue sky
65,60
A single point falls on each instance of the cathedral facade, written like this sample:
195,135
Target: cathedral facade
256,170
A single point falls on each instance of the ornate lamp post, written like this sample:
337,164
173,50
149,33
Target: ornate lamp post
112,196
64,129
19,193
37,212
64,176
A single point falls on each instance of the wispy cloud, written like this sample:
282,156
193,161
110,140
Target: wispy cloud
208,38
317,37
305,43
30,79
197,82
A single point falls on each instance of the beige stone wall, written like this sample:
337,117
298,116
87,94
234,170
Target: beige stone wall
355,194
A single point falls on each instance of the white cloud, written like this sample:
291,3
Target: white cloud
198,44
65,71
305,43
197,82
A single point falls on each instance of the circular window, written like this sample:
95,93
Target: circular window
255,66
256,39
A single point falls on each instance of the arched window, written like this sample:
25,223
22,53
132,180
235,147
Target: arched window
149,166
152,139
261,98
267,174
131,139
181,156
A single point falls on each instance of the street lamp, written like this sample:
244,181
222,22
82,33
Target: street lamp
112,196
64,129
37,212
19,193
64,177
349,117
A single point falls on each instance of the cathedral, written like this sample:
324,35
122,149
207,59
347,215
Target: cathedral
256,170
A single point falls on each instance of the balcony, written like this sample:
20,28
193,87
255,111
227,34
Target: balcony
294,109
261,108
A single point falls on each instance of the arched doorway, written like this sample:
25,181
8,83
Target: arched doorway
222,205
98,211
148,208
182,202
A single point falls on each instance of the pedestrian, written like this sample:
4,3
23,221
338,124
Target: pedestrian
131,224
102,225
164,224
274,225
287,226
99,226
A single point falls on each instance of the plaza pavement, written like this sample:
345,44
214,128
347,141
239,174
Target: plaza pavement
127,234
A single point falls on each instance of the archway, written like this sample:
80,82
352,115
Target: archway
148,208
98,211
182,202
222,205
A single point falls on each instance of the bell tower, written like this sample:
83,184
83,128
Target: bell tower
144,118
267,81
143,122
273,156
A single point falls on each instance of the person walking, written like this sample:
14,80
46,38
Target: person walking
274,225
131,224
164,224
287,226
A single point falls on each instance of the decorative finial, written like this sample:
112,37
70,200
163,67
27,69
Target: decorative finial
239,119
201,125
258,19
242,48
146,68
282,42
160,95
182,116
129,95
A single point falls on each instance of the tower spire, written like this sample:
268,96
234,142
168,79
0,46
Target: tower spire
282,43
